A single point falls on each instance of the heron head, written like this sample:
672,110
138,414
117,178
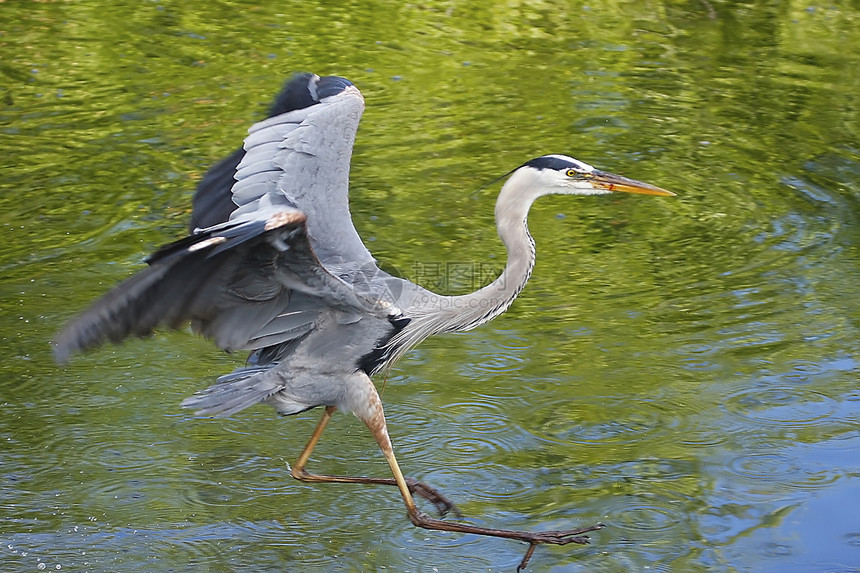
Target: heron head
560,174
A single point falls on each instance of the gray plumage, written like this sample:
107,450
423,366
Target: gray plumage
287,277
274,266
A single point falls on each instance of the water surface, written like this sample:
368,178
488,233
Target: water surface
684,370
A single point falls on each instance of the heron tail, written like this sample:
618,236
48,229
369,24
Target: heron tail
234,392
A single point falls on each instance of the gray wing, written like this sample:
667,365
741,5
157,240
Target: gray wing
301,159
260,279
250,283
213,200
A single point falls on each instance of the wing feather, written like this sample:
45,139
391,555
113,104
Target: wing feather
267,220
247,284
308,167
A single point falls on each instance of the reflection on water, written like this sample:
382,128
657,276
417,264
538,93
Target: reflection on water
682,370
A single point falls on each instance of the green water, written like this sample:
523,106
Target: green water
684,369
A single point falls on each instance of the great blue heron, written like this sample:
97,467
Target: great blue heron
274,265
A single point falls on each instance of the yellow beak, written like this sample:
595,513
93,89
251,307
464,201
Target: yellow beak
612,182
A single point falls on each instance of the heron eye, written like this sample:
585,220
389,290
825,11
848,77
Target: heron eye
571,173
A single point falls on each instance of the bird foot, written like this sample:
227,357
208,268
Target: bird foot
420,489
557,538
443,505
533,538
563,537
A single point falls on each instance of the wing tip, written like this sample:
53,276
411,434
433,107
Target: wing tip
294,95
328,86
61,352
72,339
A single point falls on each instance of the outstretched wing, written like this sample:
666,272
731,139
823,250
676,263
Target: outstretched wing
298,157
262,277
213,200
249,283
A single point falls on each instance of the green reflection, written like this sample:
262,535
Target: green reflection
684,370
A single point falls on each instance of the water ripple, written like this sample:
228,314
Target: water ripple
485,417
852,539
705,435
783,469
781,406
645,513
596,421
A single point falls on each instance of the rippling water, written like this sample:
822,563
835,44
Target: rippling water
683,370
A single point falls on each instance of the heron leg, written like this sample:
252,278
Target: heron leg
443,504
378,428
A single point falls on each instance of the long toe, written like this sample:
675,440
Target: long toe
574,535
443,505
